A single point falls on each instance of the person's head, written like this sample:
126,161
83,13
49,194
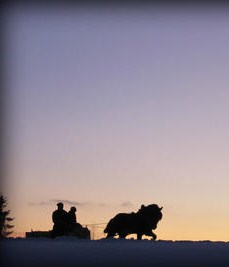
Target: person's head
73,209
60,206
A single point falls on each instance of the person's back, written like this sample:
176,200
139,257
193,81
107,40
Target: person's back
72,215
72,222
59,217
73,225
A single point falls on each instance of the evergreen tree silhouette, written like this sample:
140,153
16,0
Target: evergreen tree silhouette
5,226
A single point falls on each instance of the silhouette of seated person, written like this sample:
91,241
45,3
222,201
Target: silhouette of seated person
72,221
60,220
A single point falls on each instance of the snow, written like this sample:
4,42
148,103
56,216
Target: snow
112,252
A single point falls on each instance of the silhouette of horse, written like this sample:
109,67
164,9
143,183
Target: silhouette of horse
141,223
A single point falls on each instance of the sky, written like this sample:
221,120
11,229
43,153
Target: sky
111,108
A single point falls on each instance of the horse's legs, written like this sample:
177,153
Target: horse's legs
122,235
154,236
110,235
151,233
139,236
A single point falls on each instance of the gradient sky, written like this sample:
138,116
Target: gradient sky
109,109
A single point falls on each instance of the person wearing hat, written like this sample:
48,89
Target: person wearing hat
60,220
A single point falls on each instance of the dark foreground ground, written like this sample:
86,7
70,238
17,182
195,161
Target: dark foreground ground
71,252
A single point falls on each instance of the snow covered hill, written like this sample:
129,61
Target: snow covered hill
84,253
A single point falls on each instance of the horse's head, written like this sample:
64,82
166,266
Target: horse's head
151,214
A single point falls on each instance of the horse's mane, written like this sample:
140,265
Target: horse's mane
151,210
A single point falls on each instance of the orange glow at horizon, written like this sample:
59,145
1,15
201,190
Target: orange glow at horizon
169,228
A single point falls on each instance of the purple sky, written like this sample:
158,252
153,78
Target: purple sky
108,107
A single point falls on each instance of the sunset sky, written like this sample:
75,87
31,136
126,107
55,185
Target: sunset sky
111,108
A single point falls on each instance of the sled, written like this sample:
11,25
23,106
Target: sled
80,232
